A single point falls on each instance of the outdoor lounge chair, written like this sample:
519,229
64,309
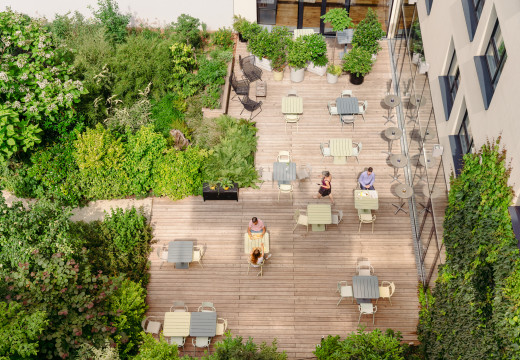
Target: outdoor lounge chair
221,326
301,219
386,290
333,109
200,342
250,70
198,254
176,340
150,326
356,150
367,308
207,307
344,291
250,105
178,306
241,87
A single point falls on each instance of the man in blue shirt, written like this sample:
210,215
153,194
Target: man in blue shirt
366,179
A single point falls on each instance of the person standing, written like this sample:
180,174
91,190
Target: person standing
366,179
325,187
257,227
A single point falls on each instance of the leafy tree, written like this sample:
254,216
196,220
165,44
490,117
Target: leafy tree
190,30
19,330
368,32
235,348
152,349
114,22
15,135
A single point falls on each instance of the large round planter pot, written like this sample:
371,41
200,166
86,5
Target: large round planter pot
241,38
297,75
356,80
332,79
278,75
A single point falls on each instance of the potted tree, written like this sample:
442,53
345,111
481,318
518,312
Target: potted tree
239,24
358,62
317,48
297,58
278,62
259,45
368,32
333,73
338,18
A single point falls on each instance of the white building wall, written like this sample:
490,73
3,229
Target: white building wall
157,13
445,29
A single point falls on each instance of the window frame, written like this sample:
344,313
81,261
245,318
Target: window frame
453,85
499,60
476,4
464,134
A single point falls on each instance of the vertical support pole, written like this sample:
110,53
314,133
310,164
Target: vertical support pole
300,14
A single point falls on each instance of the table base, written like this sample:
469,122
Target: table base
339,160
400,208
359,301
182,265
318,227
425,208
395,177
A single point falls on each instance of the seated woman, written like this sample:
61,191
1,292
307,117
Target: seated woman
258,256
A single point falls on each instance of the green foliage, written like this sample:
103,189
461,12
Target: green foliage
317,48
269,45
113,21
166,116
183,61
15,135
152,349
250,30
368,32
362,345
213,73
35,75
334,69
124,228
358,61
475,300
107,352
298,53
235,348
338,18
130,119
239,23
190,30
222,37
19,331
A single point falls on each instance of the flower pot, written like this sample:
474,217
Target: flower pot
278,75
318,70
263,64
332,79
356,80
415,58
297,75
423,67
241,38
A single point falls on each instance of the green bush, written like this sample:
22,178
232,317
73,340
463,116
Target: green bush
317,47
358,61
235,348
113,21
368,33
298,54
190,30
124,228
338,18
152,349
167,117
222,37
15,135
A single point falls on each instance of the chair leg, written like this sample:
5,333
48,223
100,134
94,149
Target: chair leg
242,111
373,318
390,299
340,298
359,230
249,267
200,263
372,227
359,320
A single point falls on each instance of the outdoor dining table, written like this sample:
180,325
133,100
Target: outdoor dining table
391,101
319,215
393,133
256,240
292,105
340,149
347,105
203,323
177,324
180,252
403,191
398,161
365,288
284,172
366,200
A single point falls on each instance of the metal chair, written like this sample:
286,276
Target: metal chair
325,150
386,290
364,268
363,108
251,106
178,306
265,174
162,254
241,87
333,109
221,326
366,219
200,342
177,340
284,156
337,217
347,119
356,150
292,92
367,308
151,327
206,307
346,93
285,189
303,172
301,219
260,266
250,70
344,291
198,254
291,119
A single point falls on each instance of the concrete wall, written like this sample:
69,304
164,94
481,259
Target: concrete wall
215,13
444,30
246,8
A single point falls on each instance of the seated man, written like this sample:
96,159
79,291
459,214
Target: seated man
256,228
366,180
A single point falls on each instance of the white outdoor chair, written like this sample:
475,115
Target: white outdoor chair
178,306
198,254
177,340
207,307
221,326
386,290
292,92
300,219
337,217
366,219
325,150
367,308
259,266
347,119
162,254
346,93
265,174
284,156
363,267
291,119
356,150
363,108
200,342
333,109
150,326
344,291
303,172
285,189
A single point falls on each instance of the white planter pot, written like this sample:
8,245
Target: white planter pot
297,75
332,79
423,67
263,64
415,58
318,70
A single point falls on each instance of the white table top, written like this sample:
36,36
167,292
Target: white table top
292,105
341,147
319,214
177,323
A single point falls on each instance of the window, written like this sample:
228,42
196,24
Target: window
472,12
449,85
429,4
466,139
461,144
477,6
496,55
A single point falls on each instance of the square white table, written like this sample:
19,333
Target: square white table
340,149
177,323
366,199
255,241
292,105
319,215
365,288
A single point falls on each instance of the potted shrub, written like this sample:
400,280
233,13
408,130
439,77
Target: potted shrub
278,62
250,30
259,45
417,44
358,62
317,48
239,24
297,58
333,73
338,18
368,32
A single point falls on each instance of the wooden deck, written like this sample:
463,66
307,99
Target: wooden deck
295,300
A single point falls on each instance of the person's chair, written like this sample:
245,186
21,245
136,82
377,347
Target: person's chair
162,254
303,172
251,106
356,150
221,326
344,291
386,290
366,219
259,266
284,156
291,119
241,87
285,189
325,150
337,217
200,342
206,307
150,326
177,340
300,218
333,109
178,306
363,108
346,93
347,119
292,92
364,268
198,254
368,309
250,70
265,174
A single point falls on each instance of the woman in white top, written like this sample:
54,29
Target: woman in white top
258,256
